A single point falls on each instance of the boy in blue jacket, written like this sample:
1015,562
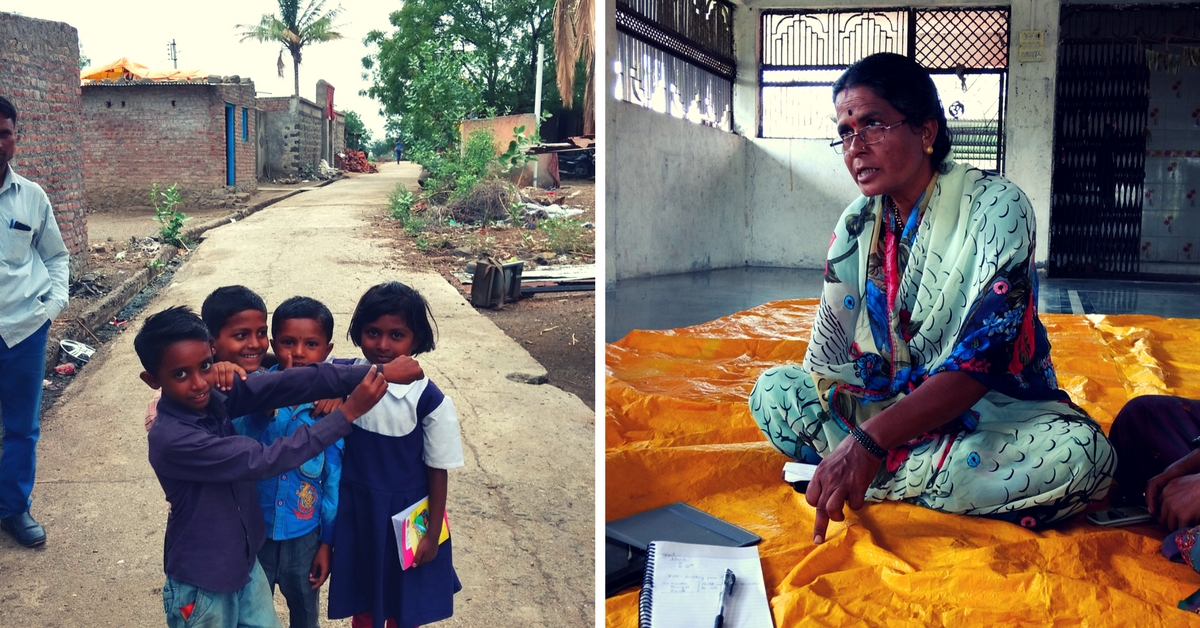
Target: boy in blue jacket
299,505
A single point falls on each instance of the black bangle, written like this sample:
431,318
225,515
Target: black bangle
868,443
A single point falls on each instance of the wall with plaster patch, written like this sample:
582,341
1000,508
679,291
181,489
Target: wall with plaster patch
675,199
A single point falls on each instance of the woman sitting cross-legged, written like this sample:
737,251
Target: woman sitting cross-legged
928,376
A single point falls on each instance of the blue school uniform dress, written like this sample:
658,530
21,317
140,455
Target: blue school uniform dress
384,471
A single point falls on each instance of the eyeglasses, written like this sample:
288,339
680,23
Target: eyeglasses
871,134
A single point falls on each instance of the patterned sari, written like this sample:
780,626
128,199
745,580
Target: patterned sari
953,289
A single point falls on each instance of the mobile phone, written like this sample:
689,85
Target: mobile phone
1128,515
798,475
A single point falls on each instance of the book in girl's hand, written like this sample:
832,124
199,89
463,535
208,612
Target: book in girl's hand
411,524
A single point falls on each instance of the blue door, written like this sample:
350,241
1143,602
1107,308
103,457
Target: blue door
230,145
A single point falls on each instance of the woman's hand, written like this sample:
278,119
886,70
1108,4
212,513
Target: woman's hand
841,479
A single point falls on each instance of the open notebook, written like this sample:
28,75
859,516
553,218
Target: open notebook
682,587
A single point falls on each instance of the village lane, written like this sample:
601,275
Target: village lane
521,511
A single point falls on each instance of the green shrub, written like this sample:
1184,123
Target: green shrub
168,215
414,226
400,203
564,235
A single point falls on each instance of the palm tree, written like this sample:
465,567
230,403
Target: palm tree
574,39
295,29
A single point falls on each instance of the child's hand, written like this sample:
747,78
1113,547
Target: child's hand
285,361
402,370
225,372
427,550
326,406
320,566
368,392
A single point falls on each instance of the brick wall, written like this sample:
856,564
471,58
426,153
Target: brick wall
39,74
293,135
339,132
141,133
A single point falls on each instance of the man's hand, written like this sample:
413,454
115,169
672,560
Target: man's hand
320,566
326,406
402,370
1180,503
427,549
368,392
224,372
841,479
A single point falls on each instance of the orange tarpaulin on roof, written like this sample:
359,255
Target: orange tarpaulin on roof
126,69
678,429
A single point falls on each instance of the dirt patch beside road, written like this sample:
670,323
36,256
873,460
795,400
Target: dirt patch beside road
558,329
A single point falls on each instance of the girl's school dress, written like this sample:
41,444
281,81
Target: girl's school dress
384,471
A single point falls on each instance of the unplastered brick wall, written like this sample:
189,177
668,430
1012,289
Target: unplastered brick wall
141,133
339,132
293,135
39,74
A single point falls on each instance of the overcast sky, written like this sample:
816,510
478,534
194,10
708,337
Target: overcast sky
206,38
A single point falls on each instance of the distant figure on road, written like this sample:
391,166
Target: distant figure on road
33,290
399,150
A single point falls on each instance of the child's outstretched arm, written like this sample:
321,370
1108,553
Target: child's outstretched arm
427,549
403,370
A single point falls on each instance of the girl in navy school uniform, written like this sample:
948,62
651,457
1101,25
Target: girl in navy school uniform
397,455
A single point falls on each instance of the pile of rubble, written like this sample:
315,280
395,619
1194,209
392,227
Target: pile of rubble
354,161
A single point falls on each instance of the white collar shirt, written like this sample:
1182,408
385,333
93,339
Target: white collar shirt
33,260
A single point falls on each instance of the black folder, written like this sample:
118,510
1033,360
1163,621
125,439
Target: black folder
626,540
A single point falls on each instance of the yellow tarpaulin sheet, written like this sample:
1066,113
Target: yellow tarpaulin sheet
678,429
124,68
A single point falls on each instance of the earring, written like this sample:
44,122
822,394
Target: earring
928,150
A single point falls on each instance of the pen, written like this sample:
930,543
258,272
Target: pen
726,591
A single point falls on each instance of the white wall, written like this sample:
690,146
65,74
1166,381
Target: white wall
676,195
1029,121
675,191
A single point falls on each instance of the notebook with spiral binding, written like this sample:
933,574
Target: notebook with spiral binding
683,583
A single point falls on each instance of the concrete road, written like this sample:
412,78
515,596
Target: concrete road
521,511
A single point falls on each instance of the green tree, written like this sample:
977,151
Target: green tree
358,136
481,51
295,29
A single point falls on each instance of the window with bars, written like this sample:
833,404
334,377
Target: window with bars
676,57
965,50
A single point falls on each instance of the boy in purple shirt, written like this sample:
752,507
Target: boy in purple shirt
215,527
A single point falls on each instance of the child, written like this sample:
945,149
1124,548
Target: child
395,456
300,504
237,321
215,525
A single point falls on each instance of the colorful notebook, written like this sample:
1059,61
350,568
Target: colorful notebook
411,524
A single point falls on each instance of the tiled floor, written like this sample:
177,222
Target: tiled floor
672,301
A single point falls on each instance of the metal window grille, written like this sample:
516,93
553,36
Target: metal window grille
966,51
1100,122
676,56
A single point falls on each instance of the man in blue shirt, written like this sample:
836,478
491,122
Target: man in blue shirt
33,290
